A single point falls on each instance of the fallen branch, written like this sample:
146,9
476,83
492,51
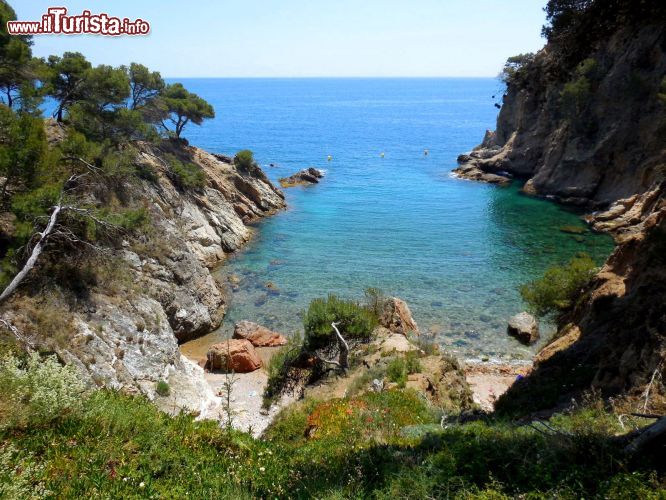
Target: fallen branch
646,436
32,260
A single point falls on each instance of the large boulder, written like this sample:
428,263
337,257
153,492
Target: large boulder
397,317
236,355
304,177
524,327
258,335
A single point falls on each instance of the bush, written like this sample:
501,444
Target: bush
412,362
515,69
355,321
556,292
185,174
162,388
396,371
374,300
244,160
36,392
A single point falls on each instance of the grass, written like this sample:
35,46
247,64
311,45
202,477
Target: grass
119,446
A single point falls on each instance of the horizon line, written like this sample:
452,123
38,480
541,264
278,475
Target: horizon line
321,77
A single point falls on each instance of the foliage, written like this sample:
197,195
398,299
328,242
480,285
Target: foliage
185,174
515,69
162,388
145,86
37,392
118,446
181,107
556,292
396,371
22,148
244,160
355,321
374,300
65,80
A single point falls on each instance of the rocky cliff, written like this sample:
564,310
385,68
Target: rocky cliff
588,135
156,289
586,125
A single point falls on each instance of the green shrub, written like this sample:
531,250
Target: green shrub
557,290
162,388
355,321
185,174
575,95
515,69
279,368
244,160
412,362
396,371
36,392
374,300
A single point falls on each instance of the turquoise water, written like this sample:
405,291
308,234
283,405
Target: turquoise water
455,250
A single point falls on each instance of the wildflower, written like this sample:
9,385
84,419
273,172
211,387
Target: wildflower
262,469
142,485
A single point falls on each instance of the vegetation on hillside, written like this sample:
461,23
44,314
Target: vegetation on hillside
375,445
68,186
557,290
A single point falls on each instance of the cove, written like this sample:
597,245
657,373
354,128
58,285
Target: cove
455,250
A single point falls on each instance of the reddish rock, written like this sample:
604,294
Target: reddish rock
397,317
258,335
236,355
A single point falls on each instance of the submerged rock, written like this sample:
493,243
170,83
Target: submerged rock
524,327
304,177
397,317
238,355
258,335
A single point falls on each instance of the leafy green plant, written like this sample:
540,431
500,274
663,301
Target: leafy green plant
558,289
162,388
185,174
244,160
412,362
396,371
37,391
355,321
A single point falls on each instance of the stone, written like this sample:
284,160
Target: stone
238,355
397,317
524,327
304,177
258,335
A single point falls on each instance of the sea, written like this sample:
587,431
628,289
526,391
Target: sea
388,214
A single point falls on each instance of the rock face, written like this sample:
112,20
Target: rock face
236,355
524,327
258,335
303,178
397,317
614,341
611,148
125,334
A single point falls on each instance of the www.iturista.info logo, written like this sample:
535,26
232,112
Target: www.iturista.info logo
56,21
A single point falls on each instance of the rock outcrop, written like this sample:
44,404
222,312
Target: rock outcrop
609,148
524,327
397,317
258,335
303,178
614,341
124,331
236,355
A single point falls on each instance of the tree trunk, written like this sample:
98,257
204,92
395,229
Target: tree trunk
343,359
32,260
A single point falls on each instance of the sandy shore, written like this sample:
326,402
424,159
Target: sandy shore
489,381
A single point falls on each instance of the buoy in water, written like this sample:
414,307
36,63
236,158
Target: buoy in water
381,154
425,152
329,158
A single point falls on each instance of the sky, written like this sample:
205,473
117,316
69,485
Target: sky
306,38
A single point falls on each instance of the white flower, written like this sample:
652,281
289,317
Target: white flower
262,469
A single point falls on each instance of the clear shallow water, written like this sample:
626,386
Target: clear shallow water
455,250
